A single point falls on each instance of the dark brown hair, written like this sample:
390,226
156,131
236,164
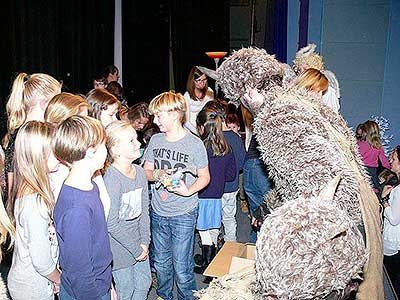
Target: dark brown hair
195,74
98,100
209,126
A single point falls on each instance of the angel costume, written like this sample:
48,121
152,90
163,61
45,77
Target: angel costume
305,145
307,58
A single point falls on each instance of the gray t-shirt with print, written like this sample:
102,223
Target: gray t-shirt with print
189,151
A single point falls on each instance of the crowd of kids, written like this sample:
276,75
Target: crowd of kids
99,195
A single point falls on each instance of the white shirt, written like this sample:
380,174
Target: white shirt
193,107
391,227
35,253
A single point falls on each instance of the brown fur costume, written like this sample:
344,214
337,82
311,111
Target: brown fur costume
307,249
305,145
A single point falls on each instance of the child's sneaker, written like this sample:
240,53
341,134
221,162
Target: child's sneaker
244,206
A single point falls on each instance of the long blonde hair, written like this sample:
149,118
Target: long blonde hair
27,91
372,134
31,173
63,106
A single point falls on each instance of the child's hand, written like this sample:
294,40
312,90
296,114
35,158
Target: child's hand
114,295
56,288
386,190
144,254
181,189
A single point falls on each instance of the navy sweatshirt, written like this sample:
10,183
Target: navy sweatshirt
237,146
85,254
222,169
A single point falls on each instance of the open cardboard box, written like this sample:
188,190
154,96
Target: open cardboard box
231,258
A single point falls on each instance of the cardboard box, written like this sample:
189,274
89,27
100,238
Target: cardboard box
231,258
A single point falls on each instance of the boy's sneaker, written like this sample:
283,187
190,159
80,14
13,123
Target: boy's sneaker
244,206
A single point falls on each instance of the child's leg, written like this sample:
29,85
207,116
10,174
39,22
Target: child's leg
256,185
162,254
229,216
214,236
142,280
124,282
182,228
205,237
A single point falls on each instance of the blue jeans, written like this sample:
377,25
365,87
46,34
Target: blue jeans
65,296
173,245
133,282
256,186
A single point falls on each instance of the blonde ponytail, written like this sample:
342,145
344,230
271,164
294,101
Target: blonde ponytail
15,107
27,91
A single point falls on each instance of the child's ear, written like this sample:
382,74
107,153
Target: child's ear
43,104
90,152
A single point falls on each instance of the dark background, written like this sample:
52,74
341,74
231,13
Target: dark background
73,40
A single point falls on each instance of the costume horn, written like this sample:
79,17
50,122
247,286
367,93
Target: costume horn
329,191
208,72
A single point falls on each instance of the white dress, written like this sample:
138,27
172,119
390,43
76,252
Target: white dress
332,95
193,107
391,227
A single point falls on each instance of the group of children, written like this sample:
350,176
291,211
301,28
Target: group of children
81,208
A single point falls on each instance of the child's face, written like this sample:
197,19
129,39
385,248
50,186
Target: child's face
113,76
98,84
98,156
140,123
394,160
164,120
128,146
234,127
109,115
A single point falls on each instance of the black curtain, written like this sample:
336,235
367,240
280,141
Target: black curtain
280,29
196,27
69,40
145,28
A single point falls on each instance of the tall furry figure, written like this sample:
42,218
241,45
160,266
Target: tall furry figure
305,145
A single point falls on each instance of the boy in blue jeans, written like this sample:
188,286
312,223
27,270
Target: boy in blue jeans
85,254
174,209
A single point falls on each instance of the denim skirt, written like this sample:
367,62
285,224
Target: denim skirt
210,214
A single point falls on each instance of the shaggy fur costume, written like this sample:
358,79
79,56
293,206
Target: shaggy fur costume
3,291
305,145
299,240
306,250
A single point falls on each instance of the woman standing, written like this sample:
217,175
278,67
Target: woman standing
391,228
197,95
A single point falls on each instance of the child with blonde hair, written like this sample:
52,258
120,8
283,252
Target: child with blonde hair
60,108
28,100
129,221
34,273
174,209
371,150
64,105
85,254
